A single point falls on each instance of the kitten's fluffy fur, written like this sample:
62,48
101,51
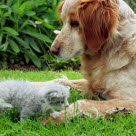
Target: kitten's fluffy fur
30,99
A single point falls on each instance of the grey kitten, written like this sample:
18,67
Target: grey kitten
29,99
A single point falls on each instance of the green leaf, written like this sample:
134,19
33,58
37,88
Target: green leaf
7,14
1,37
22,42
34,45
32,23
23,25
14,46
38,36
47,25
34,59
54,3
10,30
28,5
3,6
4,46
30,13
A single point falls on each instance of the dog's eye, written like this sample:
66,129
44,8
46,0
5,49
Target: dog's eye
74,23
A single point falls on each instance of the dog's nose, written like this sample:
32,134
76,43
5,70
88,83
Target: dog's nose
55,50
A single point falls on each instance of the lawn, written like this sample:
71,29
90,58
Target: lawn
115,125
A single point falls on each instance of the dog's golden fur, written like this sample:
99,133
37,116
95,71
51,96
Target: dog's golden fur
104,34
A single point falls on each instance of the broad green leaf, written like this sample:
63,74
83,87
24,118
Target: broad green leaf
4,46
7,13
10,30
39,2
14,46
3,6
34,58
23,25
47,25
38,36
34,45
32,23
54,3
22,42
30,13
17,10
28,5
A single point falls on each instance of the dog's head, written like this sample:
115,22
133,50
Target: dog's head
87,24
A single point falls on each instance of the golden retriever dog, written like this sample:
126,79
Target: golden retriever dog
103,33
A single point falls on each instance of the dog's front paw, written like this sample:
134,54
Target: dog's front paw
119,110
61,81
50,119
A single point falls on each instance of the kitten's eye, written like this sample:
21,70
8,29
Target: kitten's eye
74,23
62,102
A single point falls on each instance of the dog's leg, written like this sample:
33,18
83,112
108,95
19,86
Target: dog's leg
93,109
80,85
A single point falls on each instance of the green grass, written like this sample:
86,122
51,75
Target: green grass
115,125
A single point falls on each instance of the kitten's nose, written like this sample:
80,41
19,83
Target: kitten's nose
55,50
67,106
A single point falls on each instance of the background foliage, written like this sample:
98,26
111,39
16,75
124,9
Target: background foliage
26,33
132,3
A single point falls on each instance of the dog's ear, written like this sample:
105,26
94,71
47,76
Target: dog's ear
98,19
60,6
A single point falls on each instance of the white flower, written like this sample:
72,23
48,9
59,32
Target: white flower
56,31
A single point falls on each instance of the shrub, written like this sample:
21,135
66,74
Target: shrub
26,30
132,3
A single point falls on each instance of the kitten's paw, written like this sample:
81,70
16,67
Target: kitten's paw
45,120
55,114
9,106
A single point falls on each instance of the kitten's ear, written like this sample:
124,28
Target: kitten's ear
51,94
